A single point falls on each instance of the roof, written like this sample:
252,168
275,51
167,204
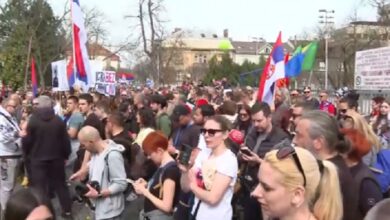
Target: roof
201,43
97,50
368,23
248,47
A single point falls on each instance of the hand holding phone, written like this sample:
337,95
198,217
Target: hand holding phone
246,151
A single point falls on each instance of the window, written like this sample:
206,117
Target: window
267,50
200,58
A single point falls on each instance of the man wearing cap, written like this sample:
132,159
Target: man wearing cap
309,98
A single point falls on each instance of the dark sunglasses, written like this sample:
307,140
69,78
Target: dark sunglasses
211,132
285,152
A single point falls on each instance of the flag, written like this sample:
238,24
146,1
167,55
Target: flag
34,84
80,44
273,71
70,72
294,65
310,52
285,81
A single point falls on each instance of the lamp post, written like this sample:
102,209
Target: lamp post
326,20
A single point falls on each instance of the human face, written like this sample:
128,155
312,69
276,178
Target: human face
323,97
343,107
198,117
71,105
278,97
347,122
214,140
11,107
41,212
99,113
296,115
302,137
156,156
260,122
274,197
154,106
384,108
307,93
84,106
87,144
375,106
244,116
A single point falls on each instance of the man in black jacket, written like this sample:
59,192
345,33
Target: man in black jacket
47,145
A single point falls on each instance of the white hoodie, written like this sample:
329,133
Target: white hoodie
10,143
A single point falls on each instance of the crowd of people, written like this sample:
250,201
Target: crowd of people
194,152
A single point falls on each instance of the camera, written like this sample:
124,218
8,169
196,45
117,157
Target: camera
81,189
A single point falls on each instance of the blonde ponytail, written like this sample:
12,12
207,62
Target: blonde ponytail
329,205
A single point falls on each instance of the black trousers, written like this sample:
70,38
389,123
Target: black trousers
50,175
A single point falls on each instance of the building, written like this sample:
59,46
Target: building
109,59
250,51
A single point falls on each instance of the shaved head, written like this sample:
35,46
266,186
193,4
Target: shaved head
89,133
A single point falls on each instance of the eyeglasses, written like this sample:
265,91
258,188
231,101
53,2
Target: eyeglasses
211,132
306,92
284,152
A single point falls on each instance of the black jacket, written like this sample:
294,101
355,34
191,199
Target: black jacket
47,138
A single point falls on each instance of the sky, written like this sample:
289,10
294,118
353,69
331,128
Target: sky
245,19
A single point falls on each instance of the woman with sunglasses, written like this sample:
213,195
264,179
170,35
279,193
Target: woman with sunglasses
213,175
244,120
295,186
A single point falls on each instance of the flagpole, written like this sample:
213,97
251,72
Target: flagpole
73,48
311,74
28,62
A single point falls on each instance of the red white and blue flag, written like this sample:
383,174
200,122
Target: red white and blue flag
34,83
81,57
70,72
273,71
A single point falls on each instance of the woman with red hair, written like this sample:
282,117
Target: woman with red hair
369,189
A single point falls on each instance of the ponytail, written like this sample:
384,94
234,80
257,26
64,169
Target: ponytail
328,205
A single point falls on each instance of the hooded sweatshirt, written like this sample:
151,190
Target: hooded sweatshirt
47,138
9,141
108,169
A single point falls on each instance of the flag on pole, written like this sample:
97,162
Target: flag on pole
310,52
285,81
294,65
273,71
81,57
34,84
70,72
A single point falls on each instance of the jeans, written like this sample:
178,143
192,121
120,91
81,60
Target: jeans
8,173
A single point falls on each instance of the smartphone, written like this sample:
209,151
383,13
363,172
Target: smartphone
130,181
246,151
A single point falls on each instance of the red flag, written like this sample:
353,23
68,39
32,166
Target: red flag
34,84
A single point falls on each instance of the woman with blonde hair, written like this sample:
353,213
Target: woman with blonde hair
295,185
354,120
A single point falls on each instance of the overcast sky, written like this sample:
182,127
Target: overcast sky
244,18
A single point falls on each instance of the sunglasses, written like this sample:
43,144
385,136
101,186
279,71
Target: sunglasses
290,151
211,132
306,92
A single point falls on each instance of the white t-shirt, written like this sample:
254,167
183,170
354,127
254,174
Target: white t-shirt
225,164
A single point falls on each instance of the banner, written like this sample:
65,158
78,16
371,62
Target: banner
59,78
372,69
106,82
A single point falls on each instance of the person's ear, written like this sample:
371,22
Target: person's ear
298,197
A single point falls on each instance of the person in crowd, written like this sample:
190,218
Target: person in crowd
262,137
294,185
29,204
318,132
244,119
102,110
229,110
294,96
369,190
354,120
10,150
281,115
348,102
381,124
376,103
216,98
212,178
73,126
141,101
325,104
308,97
106,167
162,191
127,110
146,122
297,111
158,104
47,146
186,132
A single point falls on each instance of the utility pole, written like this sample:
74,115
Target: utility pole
326,19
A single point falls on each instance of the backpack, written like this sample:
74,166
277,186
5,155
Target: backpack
129,187
381,170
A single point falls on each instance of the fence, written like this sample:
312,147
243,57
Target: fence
365,99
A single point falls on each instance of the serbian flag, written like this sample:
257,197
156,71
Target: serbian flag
281,83
126,76
34,83
70,73
273,71
80,44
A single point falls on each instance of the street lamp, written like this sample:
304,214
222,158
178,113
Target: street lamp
326,20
